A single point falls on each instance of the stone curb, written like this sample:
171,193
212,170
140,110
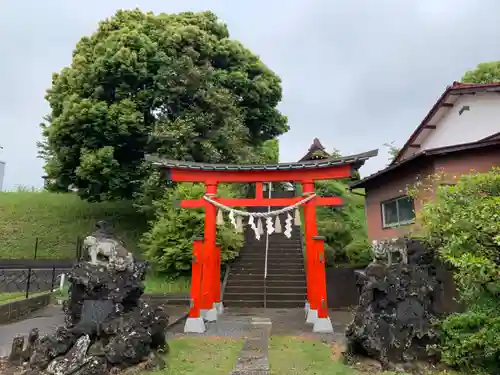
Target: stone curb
16,310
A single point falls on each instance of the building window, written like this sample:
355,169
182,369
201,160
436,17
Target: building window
396,212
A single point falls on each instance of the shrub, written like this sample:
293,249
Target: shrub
344,228
169,242
463,224
472,339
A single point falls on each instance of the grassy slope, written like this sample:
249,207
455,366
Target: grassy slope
57,220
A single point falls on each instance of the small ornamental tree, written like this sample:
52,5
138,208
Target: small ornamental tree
169,242
462,223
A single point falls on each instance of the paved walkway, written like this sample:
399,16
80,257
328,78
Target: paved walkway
46,320
254,356
236,322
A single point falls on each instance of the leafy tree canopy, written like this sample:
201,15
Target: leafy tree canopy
169,242
392,150
268,152
173,84
484,73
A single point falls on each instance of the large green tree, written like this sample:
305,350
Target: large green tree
172,84
484,73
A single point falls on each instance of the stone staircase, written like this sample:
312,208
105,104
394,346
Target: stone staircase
285,285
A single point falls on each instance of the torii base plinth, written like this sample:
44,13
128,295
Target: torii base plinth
194,325
323,325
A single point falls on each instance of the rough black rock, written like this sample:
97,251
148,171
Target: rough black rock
393,322
96,282
108,327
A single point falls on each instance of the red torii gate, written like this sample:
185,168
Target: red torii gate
205,283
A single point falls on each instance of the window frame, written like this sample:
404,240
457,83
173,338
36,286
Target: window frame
399,223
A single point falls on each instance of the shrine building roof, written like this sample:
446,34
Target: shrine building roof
355,160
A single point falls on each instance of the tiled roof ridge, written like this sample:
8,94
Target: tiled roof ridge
322,163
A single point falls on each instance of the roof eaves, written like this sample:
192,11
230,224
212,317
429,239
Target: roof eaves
430,152
456,87
361,183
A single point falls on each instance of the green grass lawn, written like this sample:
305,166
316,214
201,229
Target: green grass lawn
57,220
161,284
8,297
295,355
201,356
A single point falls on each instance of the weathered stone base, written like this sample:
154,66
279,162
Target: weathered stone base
209,315
323,325
312,316
194,325
219,306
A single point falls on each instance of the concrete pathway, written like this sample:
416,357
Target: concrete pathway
237,322
253,358
46,320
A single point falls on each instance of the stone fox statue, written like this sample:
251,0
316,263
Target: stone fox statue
104,248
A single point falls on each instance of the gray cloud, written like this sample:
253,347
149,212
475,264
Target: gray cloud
355,73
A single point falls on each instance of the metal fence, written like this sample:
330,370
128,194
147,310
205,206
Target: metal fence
25,282
22,278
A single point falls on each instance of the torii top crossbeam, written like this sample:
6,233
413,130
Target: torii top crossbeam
333,168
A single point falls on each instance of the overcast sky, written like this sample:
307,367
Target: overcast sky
356,73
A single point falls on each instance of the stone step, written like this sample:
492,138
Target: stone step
276,252
248,277
291,283
262,247
273,244
270,260
270,263
290,242
270,271
301,283
274,237
262,250
256,254
269,304
301,289
269,296
270,248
